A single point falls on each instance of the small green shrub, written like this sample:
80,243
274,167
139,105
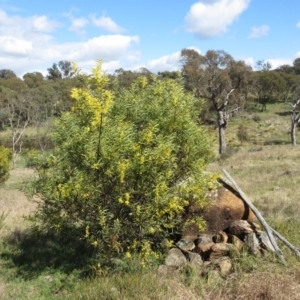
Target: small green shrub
5,163
32,158
243,134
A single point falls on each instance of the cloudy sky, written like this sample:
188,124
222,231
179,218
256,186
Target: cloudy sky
130,34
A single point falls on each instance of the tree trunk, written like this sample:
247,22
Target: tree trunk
222,122
295,119
293,133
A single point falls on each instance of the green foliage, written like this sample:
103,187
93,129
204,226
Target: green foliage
124,169
268,84
5,163
32,158
33,79
6,74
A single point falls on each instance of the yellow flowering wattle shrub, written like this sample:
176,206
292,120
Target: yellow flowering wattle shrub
125,167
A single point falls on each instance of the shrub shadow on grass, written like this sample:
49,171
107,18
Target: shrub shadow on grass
230,151
33,252
283,113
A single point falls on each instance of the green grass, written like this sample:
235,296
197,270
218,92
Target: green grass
271,127
36,265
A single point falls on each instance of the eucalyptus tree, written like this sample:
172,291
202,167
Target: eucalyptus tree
66,68
292,82
33,79
6,74
54,73
269,85
296,65
168,75
291,86
215,76
18,109
60,70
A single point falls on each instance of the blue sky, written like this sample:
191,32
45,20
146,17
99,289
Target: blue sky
131,34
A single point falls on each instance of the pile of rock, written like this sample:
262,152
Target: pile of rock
214,251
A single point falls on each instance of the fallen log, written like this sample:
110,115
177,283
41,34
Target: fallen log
266,226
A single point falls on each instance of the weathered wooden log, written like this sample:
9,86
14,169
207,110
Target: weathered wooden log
259,217
286,242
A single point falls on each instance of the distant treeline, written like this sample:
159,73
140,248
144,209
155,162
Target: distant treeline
35,98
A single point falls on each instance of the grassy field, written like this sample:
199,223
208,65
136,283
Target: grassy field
267,169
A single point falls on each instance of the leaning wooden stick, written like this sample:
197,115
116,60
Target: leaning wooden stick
286,242
259,217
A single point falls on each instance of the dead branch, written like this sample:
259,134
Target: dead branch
259,217
286,242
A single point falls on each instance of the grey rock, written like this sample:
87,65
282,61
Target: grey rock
221,249
265,241
185,245
240,228
252,243
175,258
194,259
204,238
220,237
223,264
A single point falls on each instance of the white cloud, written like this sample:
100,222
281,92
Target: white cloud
14,46
106,23
43,24
275,62
106,47
250,61
170,62
107,67
133,57
9,21
23,65
78,24
257,32
34,28
165,63
32,42
298,24
111,66
209,18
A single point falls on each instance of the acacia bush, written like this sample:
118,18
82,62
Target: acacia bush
124,168
5,163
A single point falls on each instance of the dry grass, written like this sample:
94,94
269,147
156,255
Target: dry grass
259,286
13,203
269,176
